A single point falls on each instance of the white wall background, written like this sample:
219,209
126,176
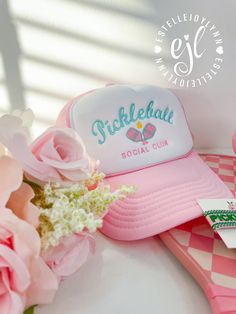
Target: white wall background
51,51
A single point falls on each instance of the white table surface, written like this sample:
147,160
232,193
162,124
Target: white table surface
129,278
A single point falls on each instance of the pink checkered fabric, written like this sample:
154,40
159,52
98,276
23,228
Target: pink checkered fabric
224,167
198,239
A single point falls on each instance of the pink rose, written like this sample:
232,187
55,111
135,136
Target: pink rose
25,279
57,155
63,151
73,251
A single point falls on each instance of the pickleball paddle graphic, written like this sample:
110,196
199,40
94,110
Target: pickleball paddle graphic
149,131
135,135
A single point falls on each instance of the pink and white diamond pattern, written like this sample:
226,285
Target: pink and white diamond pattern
197,239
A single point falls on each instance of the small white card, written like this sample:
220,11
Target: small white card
221,215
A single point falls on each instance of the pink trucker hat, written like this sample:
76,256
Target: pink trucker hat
141,136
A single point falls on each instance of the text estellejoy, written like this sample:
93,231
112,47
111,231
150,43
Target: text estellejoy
185,17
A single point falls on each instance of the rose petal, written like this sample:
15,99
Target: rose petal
83,163
48,151
74,175
58,145
8,125
69,145
14,301
27,116
11,303
74,259
59,135
70,254
2,285
26,240
44,284
11,174
21,151
19,203
20,277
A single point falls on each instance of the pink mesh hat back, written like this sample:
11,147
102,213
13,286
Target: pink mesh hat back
141,136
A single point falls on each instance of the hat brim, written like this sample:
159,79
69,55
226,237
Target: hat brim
166,196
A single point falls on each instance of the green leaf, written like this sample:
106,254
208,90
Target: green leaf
30,310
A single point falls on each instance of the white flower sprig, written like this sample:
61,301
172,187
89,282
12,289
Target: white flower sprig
73,209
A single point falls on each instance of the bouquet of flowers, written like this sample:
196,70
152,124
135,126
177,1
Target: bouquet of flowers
52,199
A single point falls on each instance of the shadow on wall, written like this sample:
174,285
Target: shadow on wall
51,51
10,50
